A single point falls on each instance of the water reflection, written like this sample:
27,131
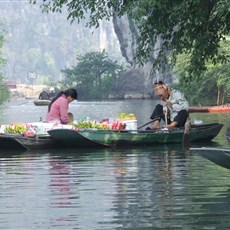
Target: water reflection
60,183
159,187
155,187
144,190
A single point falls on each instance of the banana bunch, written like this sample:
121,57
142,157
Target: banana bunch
125,116
15,129
91,125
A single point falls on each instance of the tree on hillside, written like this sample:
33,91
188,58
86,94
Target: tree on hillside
94,75
2,60
4,92
185,26
212,86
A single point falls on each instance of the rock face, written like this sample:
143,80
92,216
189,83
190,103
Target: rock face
132,84
136,82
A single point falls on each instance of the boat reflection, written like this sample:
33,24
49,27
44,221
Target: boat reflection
133,186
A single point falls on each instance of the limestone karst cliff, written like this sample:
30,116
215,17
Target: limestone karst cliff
137,81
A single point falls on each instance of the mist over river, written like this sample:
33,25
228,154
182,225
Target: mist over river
159,187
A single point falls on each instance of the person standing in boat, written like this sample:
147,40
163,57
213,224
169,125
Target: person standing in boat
58,108
44,95
174,107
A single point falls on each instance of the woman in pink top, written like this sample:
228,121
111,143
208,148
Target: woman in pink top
58,108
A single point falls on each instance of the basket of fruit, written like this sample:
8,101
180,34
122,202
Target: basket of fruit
129,120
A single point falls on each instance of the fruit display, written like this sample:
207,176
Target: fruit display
124,116
20,128
90,125
116,125
15,129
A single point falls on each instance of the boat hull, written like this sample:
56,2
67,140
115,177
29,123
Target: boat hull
63,137
40,102
122,138
72,138
10,142
219,156
19,142
87,138
205,132
38,142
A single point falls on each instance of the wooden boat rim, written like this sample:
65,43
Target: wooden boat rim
40,102
136,131
209,149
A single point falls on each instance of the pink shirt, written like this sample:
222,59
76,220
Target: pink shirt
59,111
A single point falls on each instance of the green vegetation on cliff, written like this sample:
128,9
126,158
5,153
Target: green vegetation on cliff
4,92
94,75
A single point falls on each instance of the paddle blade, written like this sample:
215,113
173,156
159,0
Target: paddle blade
186,140
187,127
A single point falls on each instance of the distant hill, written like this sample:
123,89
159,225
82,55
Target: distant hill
47,43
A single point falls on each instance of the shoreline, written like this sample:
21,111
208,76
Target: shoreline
27,91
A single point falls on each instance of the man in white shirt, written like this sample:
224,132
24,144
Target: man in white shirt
173,109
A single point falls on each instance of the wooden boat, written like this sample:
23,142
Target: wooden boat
219,156
9,142
20,142
40,102
41,141
72,138
210,109
134,137
40,138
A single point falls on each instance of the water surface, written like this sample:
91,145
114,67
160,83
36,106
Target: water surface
159,187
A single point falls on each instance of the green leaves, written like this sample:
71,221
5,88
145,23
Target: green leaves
214,79
94,74
4,92
184,26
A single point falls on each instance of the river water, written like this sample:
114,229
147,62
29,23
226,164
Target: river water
161,187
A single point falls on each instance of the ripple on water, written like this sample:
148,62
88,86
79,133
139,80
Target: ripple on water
161,187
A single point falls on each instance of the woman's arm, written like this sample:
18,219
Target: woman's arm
64,106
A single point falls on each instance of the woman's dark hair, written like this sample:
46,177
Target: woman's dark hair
69,92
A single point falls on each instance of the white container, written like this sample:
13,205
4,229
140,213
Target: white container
130,124
198,122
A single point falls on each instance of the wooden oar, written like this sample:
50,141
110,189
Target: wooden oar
187,127
166,119
141,126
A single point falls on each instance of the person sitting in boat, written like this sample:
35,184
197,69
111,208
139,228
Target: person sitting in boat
58,107
52,93
44,95
71,117
174,107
